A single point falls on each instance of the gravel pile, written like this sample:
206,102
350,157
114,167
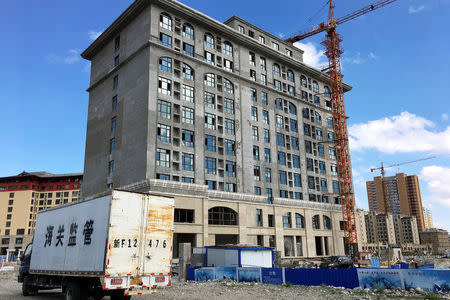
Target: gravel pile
11,289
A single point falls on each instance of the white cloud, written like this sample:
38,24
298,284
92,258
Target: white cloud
444,117
372,55
72,57
413,9
402,133
281,35
355,59
312,56
437,179
93,34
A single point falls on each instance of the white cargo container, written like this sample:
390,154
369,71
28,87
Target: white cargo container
118,245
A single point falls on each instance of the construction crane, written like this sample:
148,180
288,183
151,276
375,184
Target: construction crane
383,181
333,52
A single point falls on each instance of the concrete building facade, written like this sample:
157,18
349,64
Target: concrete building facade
402,196
178,96
427,218
437,238
23,196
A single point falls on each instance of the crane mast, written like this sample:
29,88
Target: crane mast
333,52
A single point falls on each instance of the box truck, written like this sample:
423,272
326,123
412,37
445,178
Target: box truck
115,245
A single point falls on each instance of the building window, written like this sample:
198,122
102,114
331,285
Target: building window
164,109
227,49
330,136
229,126
303,81
163,158
116,82
228,86
165,40
307,129
251,59
290,76
262,63
165,64
322,167
230,187
276,70
164,86
187,115
188,49
183,215
210,121
332,152
296,161
188,161
163,176
268,175
259,215
289,52
264,79
110,167
333,168
317,117
210,165
253,95
116,60
210,100
253,75
327,92
254,112
335,186
311,183
188,72
287,220
282,177
269,195
210,80
165,22
210,143
330,122
113,124
212,185
265,115
316,100
257,190
241,29
209,58
255,133
266,136
280,140
163,133
299,221
315,87
277,85
228,106
220,215
320,150
291,90
117,44
187,138
187,179
267,155
323,185
319,134
275,46
230,168
279,121
228,65
316,222
262,39
229,148
255,153
112,148
297,180
256,173
187,93
188,31
209,41
281,158
114,103
326,223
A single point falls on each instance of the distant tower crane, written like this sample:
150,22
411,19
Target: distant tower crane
383,180
333,52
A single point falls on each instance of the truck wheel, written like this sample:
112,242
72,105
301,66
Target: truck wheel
27,288
76,291
119,296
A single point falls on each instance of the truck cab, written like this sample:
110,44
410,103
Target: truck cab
25,262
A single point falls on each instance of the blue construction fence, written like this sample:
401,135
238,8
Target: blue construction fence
372,278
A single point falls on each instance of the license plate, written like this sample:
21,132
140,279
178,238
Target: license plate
160,279
116,281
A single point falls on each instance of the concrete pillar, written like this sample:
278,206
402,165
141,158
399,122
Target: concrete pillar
184,259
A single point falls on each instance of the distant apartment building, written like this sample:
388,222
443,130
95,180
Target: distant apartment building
379,231
25,194
401,195
427,218
438,238
224,117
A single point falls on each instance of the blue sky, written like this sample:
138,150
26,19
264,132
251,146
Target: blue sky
396,59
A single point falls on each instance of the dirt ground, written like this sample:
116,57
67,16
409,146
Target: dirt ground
11,289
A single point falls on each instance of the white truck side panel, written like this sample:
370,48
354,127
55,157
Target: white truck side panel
72,238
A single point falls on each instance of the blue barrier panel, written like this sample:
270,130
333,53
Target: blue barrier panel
375,262
204,274
426,266
222,273
272,275
374,278
335,277
428,280
191,273
404,266
395,267
249,274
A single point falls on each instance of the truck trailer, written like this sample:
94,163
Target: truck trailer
116,245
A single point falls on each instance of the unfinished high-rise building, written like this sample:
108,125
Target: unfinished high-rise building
399,195
224,117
